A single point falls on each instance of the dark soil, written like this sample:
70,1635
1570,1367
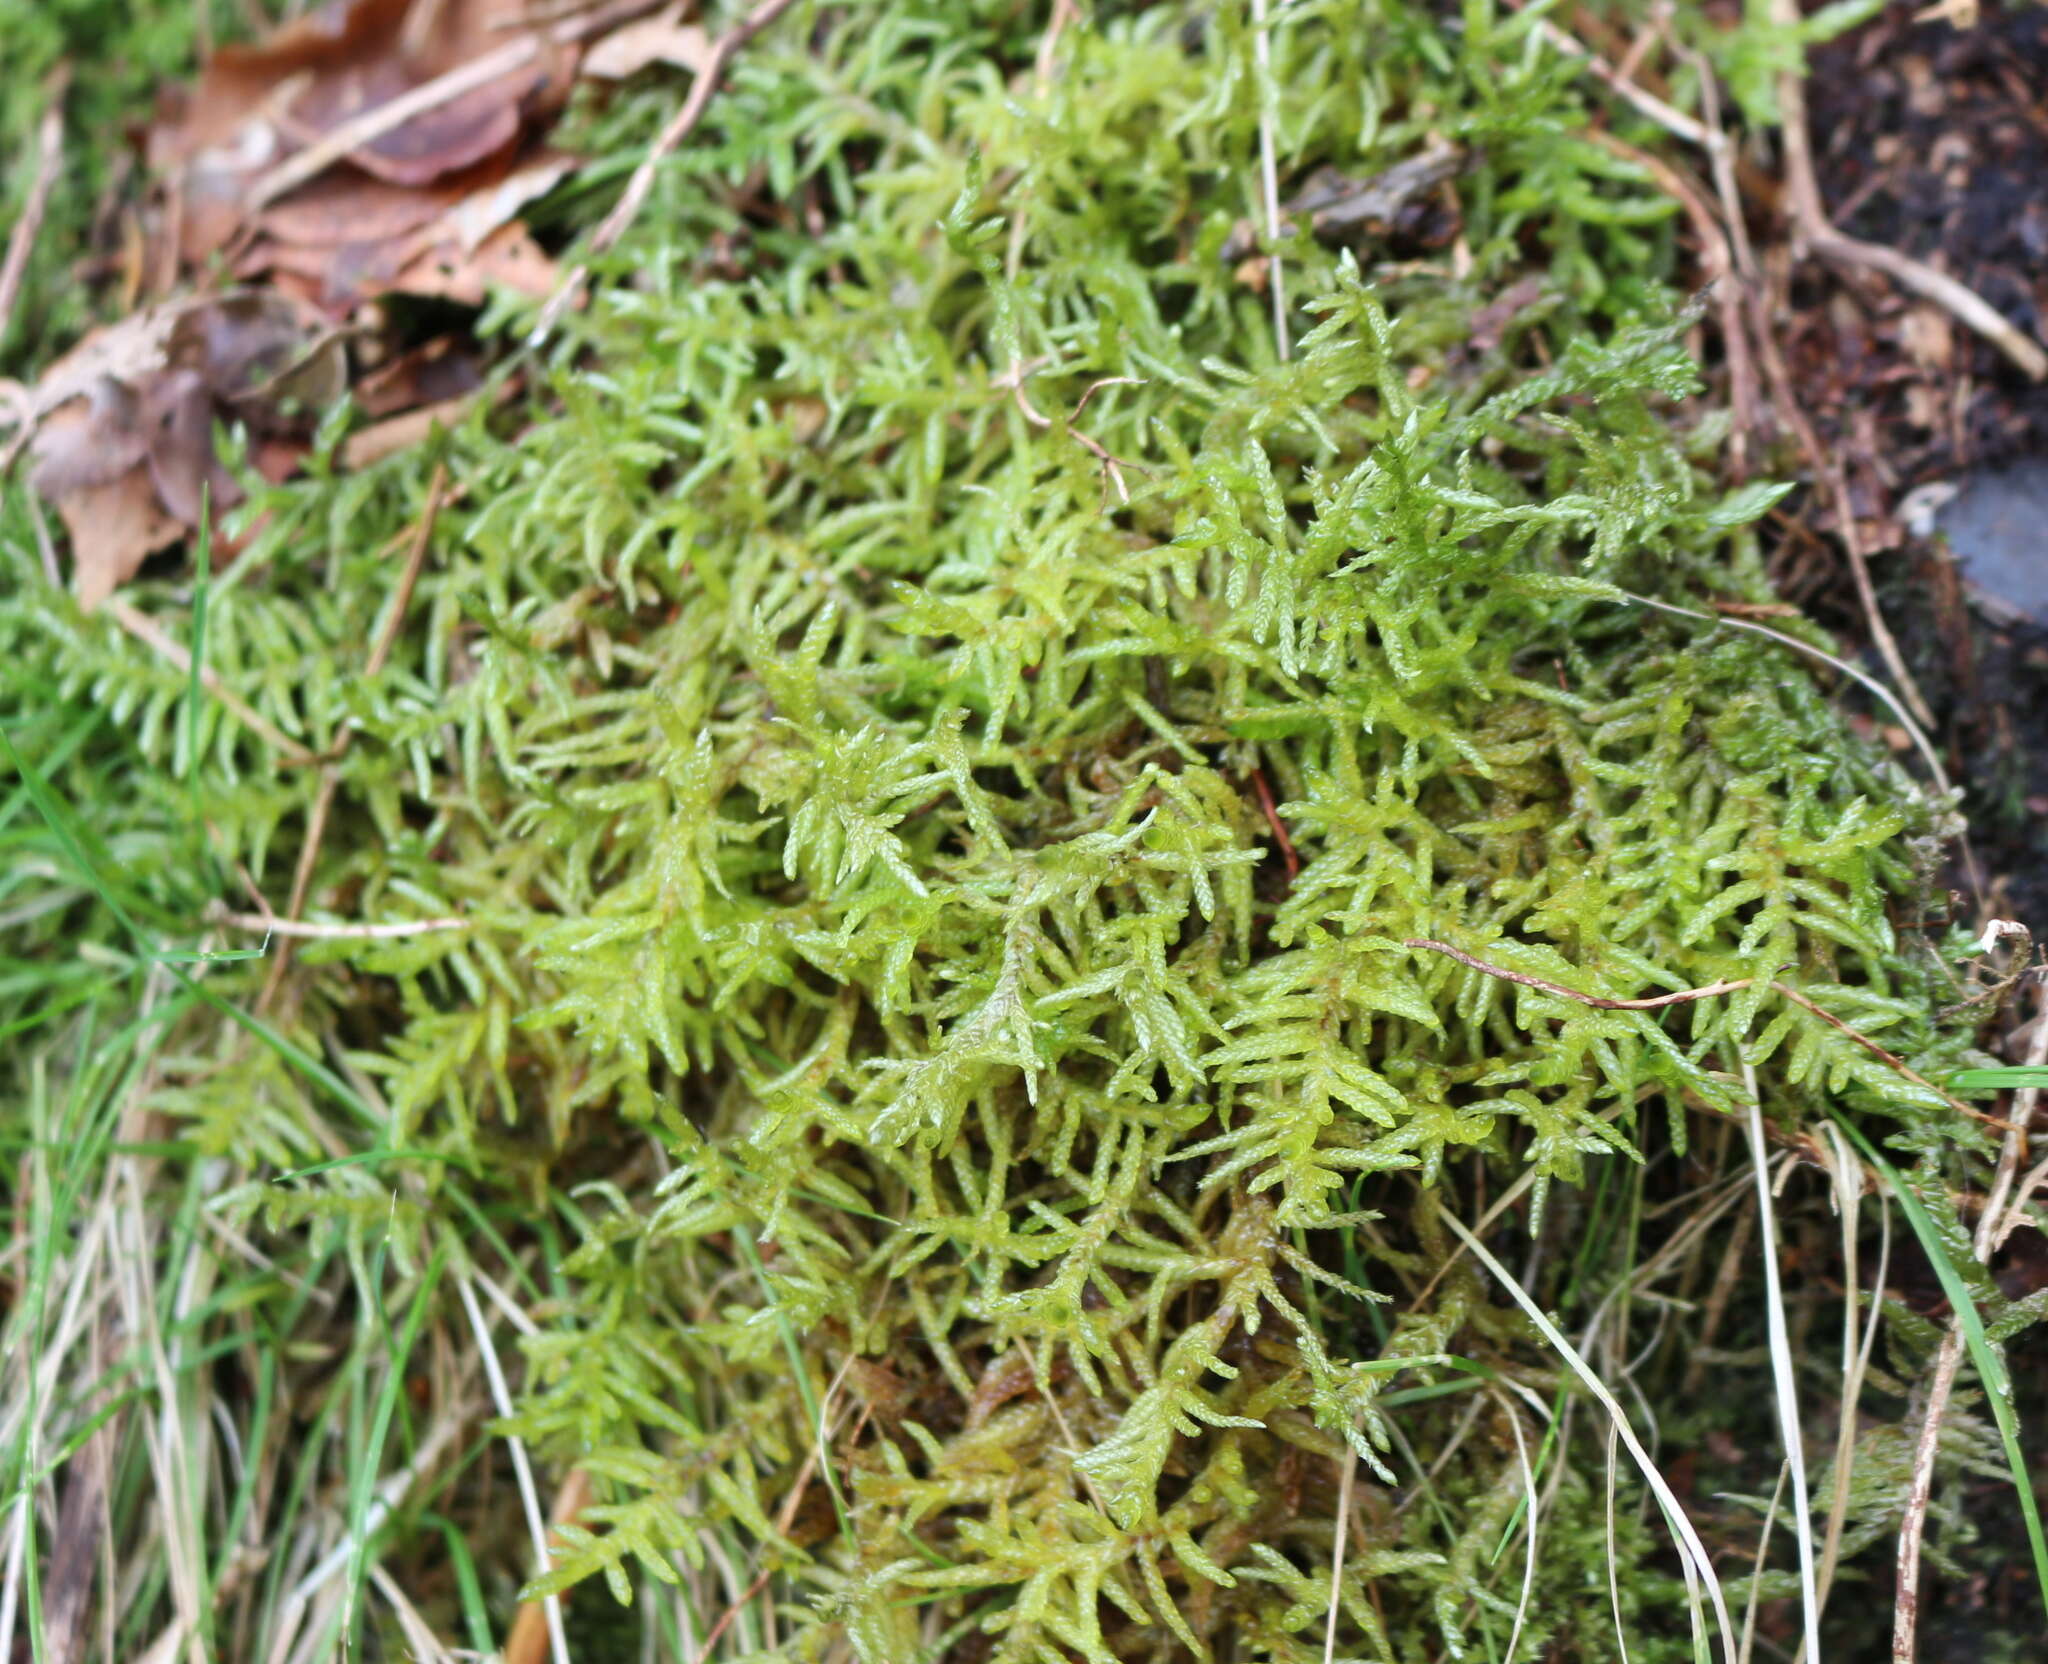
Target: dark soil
1934,141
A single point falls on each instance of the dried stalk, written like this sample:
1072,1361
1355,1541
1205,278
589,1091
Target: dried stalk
22,239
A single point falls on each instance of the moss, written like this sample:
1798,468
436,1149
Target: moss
867,815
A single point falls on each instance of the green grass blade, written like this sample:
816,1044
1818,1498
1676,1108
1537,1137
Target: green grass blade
1674,1512
1990,1364
300,1059
2009,1078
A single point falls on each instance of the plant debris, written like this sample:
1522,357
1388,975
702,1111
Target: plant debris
942,908
369,148
124,434
1403,207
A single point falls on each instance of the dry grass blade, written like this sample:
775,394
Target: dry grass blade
1920,1489
315,930
1613,1553
501,1398
1691,1547
1862,678
529,1641
1344,1486
1269,175
22,239
1654,1002
1528,1473
330,775
1763,1551
1781,1367
1846,1174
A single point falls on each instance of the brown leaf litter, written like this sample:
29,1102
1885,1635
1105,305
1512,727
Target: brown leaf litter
366,149
123,442
371,146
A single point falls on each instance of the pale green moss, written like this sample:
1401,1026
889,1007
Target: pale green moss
848,792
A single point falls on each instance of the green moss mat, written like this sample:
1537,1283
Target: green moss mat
886,1001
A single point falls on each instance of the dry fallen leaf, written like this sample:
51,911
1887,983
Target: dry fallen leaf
123,439
508,258
470,221
114,528
352,238
441,369
653,40
310,82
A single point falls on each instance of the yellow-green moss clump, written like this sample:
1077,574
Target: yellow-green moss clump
935,963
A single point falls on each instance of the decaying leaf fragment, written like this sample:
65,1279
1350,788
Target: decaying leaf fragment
256,105
1399,202
367,146
122,426
639,46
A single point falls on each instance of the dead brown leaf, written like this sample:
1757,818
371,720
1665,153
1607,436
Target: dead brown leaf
507,258
318,80
474,217
441,369
123,425
653,40
114,528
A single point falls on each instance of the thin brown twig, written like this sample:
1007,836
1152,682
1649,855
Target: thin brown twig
1819,235
1112,465
1666,116
725,1618
784,1518
1805,199
1718,256
1655,1002
408,580
21,240
1831,477
641,184
1836,484
1684,996
1859,571
1964,303
1096,386
1891,1060
1279,826
315,930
